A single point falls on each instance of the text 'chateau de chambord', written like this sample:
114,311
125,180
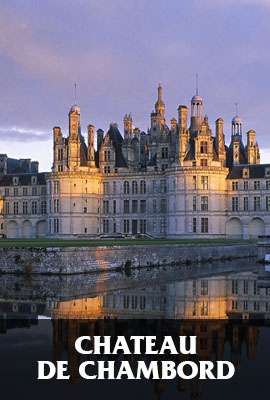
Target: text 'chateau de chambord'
171,181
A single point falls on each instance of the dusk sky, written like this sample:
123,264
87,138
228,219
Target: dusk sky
118,51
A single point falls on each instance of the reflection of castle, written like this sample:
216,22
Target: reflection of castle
234,295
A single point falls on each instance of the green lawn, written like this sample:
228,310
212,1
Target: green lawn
7,243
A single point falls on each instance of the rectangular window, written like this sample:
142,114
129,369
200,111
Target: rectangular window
234,304
15,208
194,225
245,286
204,225
235,203
34,207
126,206
164,152
154,206
257,185
143,206
43,207
194,182
56,205
114,206
143,225
6,192
204,182
25,207
267,203
105,226
194,203
105,206
56,187
204,203
16,192
6,208
126,225
245,185
246,205
55,225
34,191
235,185
25,191
143,187
163,186
163,205
106,188
204,288
107,169
114,187
107,155
134,206
204,308
257,203
234,286
267,185
204,147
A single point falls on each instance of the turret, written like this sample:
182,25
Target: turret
59,150
182,117
127,126
252,149
74,147
220,139
100,134
91,149
74,122
160,105
183,132
197,113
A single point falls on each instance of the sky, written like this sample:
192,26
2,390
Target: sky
117,51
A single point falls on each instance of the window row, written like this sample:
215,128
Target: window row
250,204
26,208
250,185
200,225
25,191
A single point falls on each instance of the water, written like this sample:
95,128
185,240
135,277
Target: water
226,305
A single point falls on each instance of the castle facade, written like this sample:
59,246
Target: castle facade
176,180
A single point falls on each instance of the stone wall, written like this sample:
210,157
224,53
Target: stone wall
74,260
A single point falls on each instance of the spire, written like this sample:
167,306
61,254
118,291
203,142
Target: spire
159,92
160,105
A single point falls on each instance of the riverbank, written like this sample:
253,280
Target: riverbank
79,260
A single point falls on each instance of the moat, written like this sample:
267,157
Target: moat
225,304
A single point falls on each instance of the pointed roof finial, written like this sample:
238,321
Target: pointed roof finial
197,84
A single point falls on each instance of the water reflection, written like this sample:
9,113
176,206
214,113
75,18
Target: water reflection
230,293
226,306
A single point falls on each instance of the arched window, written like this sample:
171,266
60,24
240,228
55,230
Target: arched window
134,187
142,187
126,187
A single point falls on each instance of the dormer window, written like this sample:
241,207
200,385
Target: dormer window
245,172
267,171
33,180
15,180
107,155
164,152
204,147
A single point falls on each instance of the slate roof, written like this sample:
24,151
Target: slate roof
24,179
255,171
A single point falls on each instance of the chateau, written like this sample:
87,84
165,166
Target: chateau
175,180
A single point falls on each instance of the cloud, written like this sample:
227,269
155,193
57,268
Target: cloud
42,57
18,134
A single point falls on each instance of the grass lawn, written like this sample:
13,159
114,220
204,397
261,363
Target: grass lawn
8,243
